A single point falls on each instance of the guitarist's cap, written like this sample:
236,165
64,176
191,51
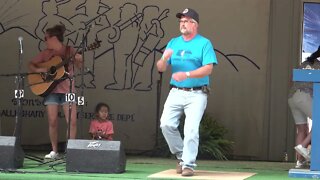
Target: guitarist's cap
189,13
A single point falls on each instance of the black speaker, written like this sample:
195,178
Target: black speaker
11,153
95,156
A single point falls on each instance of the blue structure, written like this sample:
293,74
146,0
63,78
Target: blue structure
308,75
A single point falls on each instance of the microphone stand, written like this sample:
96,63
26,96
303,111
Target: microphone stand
159,86
83,45
70,101
19,93
70,109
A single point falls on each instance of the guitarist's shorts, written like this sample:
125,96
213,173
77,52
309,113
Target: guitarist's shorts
55,98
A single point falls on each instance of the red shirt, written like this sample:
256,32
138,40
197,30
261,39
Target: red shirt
104,126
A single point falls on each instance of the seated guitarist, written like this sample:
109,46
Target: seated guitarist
54,37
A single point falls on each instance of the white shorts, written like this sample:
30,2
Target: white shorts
301,107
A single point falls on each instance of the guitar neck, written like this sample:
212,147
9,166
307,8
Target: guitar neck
79,51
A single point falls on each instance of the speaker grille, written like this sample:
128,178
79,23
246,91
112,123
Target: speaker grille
95,156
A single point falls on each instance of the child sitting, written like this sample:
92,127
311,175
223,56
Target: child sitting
101,128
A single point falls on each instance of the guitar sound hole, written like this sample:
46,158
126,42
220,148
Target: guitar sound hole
53,70
51,74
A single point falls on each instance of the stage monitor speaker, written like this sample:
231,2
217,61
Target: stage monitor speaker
96,156
11,153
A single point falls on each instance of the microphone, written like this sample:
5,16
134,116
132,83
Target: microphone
20,39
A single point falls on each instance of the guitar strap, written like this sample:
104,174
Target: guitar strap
67,56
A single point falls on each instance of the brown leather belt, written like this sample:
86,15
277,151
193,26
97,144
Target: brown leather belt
186,89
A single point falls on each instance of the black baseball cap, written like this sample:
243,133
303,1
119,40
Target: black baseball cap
189,13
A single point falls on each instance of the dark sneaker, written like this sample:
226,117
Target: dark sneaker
179,168
187,172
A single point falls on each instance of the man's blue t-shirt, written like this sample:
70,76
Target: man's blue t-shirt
189,56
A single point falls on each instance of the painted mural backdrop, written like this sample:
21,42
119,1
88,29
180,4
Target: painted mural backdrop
121,72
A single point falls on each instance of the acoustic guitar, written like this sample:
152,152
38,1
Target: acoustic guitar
42,84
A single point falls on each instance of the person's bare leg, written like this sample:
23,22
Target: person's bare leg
52,111
302,133
307,141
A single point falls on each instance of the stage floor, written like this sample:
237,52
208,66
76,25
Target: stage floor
142,167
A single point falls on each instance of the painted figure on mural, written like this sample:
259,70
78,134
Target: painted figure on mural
50,18
139,32
101,128
1,28
90,17
150,35
123,36
56,97
300,103
191,57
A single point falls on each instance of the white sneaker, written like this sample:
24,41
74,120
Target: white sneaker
302,165
303,151
51,155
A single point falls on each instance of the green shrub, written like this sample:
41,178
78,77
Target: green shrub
212,142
